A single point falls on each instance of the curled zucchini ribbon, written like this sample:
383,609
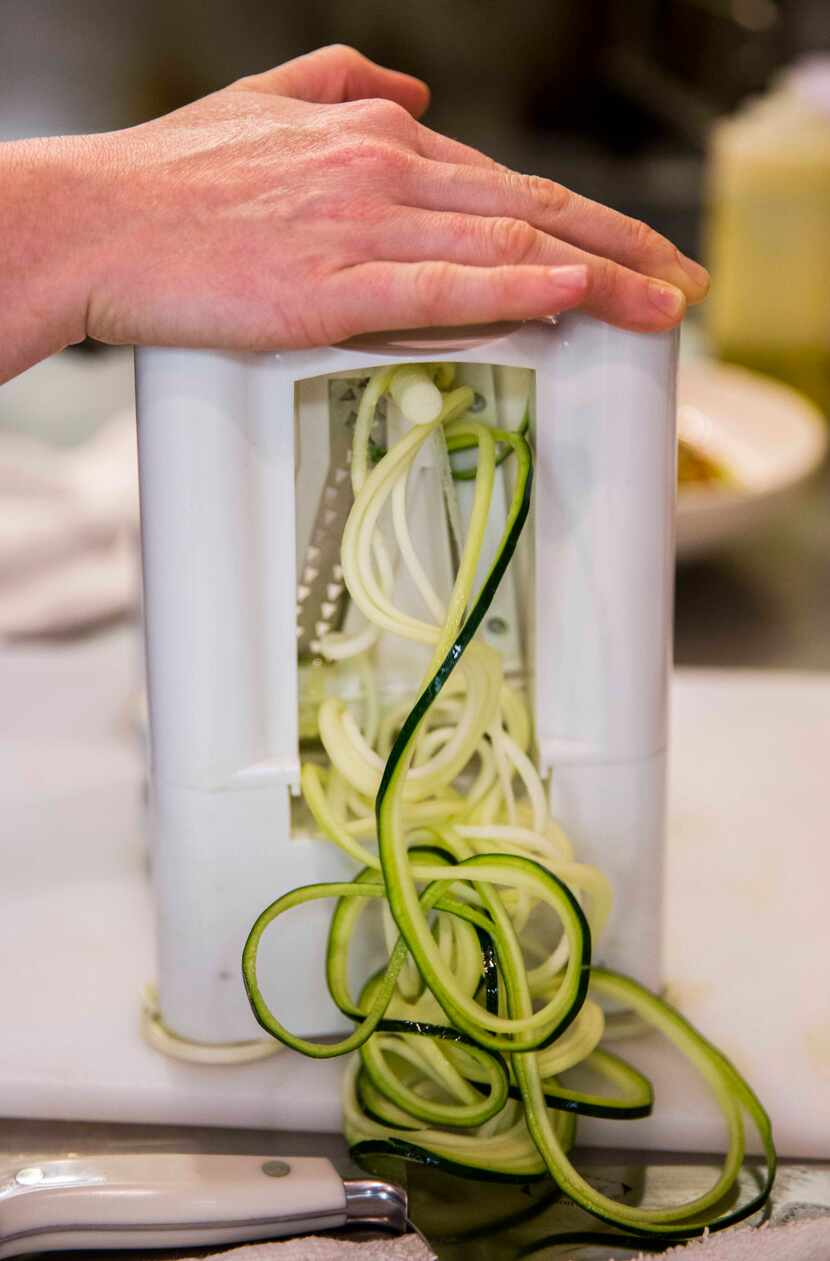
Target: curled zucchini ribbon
488,997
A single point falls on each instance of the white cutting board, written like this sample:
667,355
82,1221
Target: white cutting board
747,911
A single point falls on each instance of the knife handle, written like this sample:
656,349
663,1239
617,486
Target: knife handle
171,1201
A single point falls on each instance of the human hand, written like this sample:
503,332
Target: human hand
307,204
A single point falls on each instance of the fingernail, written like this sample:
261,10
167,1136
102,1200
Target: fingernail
666,298
574,277
694,271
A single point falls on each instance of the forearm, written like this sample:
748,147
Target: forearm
46,235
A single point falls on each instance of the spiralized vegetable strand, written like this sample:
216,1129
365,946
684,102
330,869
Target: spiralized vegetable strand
462,1035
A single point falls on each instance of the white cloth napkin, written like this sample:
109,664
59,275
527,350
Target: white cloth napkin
68,531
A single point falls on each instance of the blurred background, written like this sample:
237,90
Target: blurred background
710,119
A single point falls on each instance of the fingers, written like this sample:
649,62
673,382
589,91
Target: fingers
431,144
372,296
612,293
336,74
560,213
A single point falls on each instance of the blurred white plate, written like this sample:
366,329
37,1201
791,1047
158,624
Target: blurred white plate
767,437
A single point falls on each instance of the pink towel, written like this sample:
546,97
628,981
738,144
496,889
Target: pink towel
795,1241
318,1248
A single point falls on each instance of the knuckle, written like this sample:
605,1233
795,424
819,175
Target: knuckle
387,114
370,152
513,239
604,282
385,165
342,54
557,198
359,151
645,240
347,153
366,162
554,198
537,187
395,160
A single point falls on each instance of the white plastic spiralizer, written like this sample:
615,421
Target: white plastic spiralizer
242,489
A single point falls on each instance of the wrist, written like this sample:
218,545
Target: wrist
47,234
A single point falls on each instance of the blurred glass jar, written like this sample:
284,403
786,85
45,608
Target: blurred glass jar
768,232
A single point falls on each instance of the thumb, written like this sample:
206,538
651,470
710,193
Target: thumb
338,73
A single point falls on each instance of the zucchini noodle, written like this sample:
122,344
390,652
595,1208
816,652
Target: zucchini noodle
488,996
